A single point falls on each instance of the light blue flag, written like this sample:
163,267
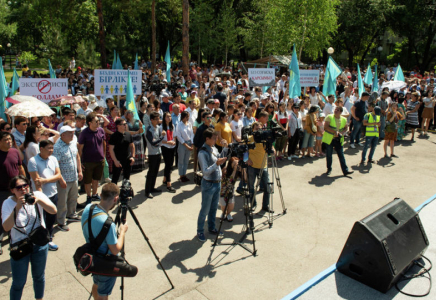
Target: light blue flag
375,83
360,82
119,64
399,74
332,71
168,61
15,83
136,67
114,61
368,75
265,88
4,90
50,69
294,77
130,99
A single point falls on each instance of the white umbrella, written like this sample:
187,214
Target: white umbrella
29,109
15,99
393,85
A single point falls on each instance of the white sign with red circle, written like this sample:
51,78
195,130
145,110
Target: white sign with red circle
44,89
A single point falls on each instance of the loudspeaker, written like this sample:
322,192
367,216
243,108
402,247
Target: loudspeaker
383,245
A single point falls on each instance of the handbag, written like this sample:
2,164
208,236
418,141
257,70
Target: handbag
88,261
40,235
21,249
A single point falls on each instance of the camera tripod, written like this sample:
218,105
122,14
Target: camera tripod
249,223
269,153
121,218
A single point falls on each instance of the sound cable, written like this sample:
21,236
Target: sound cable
419,274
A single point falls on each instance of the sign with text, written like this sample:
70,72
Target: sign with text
45,89
114,82
309,77
261,77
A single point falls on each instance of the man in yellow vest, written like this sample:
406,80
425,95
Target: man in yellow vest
335,126
372,122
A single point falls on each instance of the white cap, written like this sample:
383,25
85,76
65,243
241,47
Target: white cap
91,98
217,79
66,128
164,94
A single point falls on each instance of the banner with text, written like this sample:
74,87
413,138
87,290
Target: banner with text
45,89
309,77
261,77
114,82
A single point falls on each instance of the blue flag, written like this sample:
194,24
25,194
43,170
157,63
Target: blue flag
399,74
368,75
375,84
15,83
360,82
114,61
50,69
265,88
136,67
119,64
130,99
168,61
294,76
4,90
332,71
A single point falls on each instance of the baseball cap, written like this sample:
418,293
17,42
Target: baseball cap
216,101
164,94
210,101
66,128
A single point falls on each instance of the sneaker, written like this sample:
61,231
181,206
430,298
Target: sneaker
215,231
360,144
52,246
371,161
290,157
171,189
95,197
352,146
74,218
63,227
229,218
201,237
108,180
295,156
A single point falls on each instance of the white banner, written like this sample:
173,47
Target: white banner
45,89
261,77
114,82
309,77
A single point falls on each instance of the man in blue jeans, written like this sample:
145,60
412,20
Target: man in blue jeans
210,161
103,285
372,123
358,111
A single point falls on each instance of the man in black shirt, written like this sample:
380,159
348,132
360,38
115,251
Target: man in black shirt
199,140
119,144
221,97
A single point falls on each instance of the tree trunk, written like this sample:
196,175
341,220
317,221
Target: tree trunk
101,34
185,37
153,36
199,51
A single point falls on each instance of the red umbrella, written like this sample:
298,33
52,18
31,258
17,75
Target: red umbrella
66,100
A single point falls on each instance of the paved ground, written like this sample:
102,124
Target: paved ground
305,241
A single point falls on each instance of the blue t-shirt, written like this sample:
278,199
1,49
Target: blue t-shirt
45,168
361,109
96,226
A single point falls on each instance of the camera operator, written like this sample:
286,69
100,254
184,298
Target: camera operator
103,285
210,161
256,163
20,217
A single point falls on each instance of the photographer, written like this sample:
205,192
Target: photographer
103,285
210,160
256,163
20,217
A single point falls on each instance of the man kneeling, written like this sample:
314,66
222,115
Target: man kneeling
103,285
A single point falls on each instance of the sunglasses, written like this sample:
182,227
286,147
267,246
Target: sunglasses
122,124
24,124
8,128
19,187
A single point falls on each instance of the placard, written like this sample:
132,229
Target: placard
261,77
45,89
114,82
309,77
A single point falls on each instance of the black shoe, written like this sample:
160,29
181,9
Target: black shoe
371,161
267,210
348,173
362,162
215,231
149,195
156,191
393,155
329,171
171,189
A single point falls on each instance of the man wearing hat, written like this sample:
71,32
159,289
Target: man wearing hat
211,105
165,103
222,97
65,150
372,122
358,111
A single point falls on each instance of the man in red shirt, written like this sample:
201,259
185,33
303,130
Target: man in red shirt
177,100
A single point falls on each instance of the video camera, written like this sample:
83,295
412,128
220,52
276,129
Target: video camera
126,192
174,86
155,86
270,134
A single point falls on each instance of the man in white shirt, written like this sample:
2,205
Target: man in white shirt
281,83
84,109
330,106
193,113
390,73
236,126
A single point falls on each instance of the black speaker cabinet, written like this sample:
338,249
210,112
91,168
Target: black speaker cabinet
383,245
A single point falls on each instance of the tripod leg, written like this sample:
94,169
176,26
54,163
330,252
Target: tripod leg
149,245
279,186
221,224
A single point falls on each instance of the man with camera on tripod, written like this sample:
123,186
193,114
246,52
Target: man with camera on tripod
103,285
256,163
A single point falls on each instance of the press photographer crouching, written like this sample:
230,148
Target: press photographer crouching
103,285
22,214
210,160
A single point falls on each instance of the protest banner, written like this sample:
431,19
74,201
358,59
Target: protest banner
309,77
114,82
261,77
45,89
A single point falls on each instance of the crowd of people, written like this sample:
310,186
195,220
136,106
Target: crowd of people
83,146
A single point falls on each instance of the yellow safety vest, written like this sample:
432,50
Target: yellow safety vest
327,137
372,130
